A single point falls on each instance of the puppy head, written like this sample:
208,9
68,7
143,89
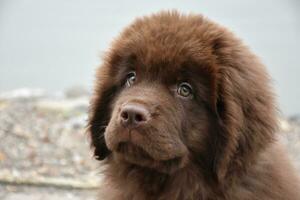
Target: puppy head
176,89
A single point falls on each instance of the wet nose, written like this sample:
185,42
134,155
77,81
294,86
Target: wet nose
133,115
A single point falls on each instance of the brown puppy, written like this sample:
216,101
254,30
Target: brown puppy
183,110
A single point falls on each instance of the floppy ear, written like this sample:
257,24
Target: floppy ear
245,110
100,112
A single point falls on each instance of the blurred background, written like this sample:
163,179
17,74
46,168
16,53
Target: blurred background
49,51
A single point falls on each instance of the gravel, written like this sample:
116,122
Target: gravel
44,143
11,192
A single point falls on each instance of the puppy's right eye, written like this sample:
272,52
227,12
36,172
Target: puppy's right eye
130,78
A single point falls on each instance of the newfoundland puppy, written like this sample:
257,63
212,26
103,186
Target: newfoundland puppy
183,110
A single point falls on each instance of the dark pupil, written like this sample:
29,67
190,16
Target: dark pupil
130,79
185,90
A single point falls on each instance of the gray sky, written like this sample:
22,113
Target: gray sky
57,44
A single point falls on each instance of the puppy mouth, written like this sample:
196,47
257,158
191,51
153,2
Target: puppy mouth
132,150
144,145
144,148
131,153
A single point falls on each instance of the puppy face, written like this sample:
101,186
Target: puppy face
160,114
177,89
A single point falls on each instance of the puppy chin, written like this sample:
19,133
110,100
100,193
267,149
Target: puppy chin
134,155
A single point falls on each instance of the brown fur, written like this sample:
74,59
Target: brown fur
219,143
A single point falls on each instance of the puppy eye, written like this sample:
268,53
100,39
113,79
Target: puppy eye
130,78
185,89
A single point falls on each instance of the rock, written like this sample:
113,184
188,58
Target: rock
23,93
64,105
285,125
76,92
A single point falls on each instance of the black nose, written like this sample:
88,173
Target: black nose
133,115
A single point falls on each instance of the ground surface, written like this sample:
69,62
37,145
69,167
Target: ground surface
45,153
13,192
44,148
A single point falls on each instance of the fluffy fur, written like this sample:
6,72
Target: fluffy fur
217,143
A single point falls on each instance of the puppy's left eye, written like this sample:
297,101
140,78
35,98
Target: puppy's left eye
185,89
130,78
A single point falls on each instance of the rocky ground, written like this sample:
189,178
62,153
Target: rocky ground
21,192
44,147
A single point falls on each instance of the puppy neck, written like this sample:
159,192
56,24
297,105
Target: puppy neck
135,182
